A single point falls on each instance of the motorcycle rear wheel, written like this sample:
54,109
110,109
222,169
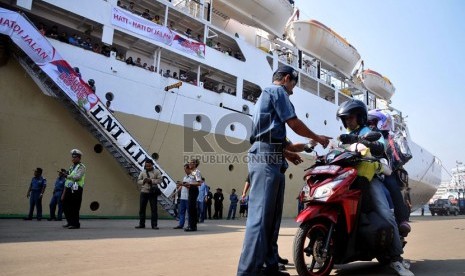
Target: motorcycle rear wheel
309,257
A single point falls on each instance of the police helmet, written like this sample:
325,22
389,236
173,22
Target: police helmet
76,152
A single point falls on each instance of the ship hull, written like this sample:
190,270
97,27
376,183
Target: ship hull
37,131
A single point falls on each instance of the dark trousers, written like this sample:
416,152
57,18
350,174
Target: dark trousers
35,200
71,206
208,210
400,209
56,200
144,199
192,209
218,210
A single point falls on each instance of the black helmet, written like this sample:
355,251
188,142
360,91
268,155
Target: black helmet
356,107
91,82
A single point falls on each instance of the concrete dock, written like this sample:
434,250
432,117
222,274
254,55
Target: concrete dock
436,246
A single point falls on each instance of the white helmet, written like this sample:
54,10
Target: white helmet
76,152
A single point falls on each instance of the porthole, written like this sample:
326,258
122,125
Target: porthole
155,156
325,122
232,127
221,104
98,148
198,118
291,176
231,167
109,96
340,128
94,205
245,108
158,108
307,115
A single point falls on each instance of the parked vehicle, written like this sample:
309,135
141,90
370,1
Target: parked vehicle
335,227
444,207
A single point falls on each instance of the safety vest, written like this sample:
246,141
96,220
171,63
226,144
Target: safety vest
80,182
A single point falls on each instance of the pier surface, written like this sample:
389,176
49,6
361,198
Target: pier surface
436,246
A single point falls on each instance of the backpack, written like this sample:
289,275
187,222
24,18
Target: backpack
401,153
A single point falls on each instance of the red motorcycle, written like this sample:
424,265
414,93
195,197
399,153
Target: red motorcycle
337,225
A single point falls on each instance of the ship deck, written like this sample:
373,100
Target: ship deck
114,247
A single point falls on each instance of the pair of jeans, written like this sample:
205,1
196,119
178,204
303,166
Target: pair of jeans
183,206
381,206
265,209
232,211
400,209
35,200
54,201
201,210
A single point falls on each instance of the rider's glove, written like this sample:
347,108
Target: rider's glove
348,138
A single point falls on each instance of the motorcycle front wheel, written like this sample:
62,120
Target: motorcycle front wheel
310,257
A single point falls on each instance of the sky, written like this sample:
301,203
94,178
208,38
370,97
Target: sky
420,46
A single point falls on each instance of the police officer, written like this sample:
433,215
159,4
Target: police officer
56,196
35,192
266,165
72,195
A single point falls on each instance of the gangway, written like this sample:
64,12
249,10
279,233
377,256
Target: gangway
56,78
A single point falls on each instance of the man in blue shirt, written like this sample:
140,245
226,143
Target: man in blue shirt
56,196
267,165
35,192
233,205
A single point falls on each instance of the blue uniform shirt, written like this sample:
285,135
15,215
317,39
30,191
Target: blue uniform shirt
38,183
60,184
272,110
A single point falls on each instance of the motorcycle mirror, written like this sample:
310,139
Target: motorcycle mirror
372,136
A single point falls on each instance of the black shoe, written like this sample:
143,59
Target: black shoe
140,226
58,219
27,218
65,226
177,227
282,261
155,227
74,227
188,229
50,219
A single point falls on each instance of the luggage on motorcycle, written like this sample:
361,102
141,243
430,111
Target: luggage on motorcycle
401,153
375,233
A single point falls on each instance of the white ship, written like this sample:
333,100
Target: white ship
454,188
207,62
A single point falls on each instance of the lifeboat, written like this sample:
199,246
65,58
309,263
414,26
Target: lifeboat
268,15
325,44
378,84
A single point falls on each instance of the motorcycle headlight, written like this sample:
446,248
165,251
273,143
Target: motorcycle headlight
323,192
